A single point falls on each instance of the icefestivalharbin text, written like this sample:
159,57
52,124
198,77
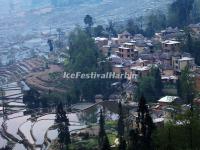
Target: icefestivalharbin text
95,75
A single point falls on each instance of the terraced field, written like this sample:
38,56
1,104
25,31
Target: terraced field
36,130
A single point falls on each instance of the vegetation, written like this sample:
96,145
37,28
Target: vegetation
84,57
63,127
186,86
88,20
192,46
103,138
182,133
150,86
132,27
6,148
180,12
50,43
155,22
31,98
120,128
87,144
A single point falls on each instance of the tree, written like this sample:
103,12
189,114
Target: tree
179,13
63,127
131,27
103,139
133,140
193,47
195,13
32,98
50,43
88,20
106,144
158,82
111,29
150,86
145,125
186,85
147,87
102,132
156,21
176,134
98,31
120,128
6,148
122,143
84,57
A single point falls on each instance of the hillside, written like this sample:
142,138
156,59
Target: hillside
36,15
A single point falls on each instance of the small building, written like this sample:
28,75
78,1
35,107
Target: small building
166,59
169,33
101,41
114,59
142,45
127,50
170,45
170,84
180,64
168,100
124,37
115,41
197,82
118,68
106,49
141,62
139,72
98,98
195,28
159,122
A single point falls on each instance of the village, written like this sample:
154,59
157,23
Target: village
134,54
137,55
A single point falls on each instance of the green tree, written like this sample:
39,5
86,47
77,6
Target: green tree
156,21
195,13
102,132
84,57
120,127
98,31
133,140
147,87
179,13
181,133
186,85
63,127
106,144
158,82
150,86
122,143
50,43
145,125
32,98
88,20
111,29
131,27
6,148
193,47
103,139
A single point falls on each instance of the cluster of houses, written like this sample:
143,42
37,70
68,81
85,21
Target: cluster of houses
136,54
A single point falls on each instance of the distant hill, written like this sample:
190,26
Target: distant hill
22,17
